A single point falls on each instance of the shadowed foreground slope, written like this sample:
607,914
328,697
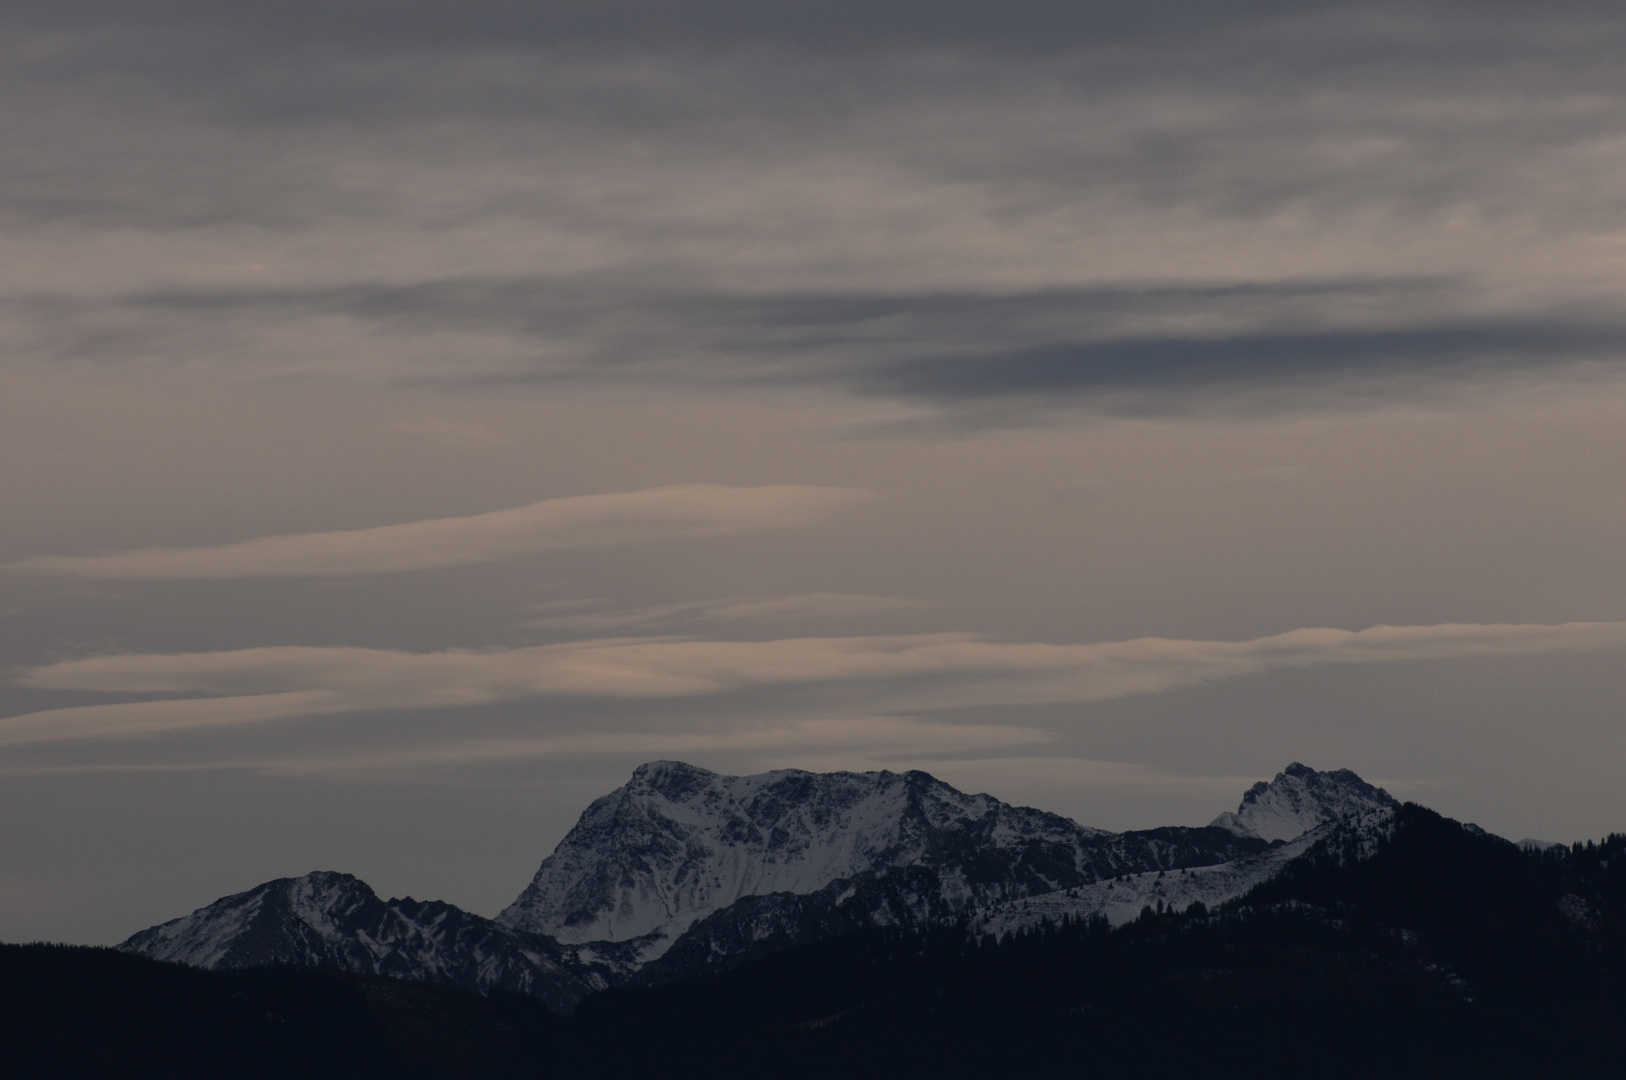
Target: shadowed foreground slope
67,1011
1428,950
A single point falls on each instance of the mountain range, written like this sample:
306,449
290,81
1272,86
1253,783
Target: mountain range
799,925
682,871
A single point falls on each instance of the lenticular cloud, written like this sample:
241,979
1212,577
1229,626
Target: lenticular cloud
686,510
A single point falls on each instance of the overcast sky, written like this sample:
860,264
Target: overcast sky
415,415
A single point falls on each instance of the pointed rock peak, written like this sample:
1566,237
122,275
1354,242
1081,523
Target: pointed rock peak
673,779
655,770
326,879
917,778
317,887
1299,799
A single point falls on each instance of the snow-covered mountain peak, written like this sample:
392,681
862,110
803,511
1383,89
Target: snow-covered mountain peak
1299,799
677,843
326,919
235,931
672,779
682,870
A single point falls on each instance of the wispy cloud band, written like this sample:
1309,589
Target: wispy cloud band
684,510
892,673
1148,348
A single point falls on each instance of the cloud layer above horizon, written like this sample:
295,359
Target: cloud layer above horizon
687,510
1068,207
413,414
896,674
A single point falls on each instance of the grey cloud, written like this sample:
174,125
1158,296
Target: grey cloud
1172,204
899,673
887,736
1145,350
1274,476
537,304
597,617
812,219
685,510
1246,105
1024,26
1160,374
373,25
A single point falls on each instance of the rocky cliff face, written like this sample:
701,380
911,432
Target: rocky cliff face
677,844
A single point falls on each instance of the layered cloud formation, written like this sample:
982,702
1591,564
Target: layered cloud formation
884,673
1067,206
518,389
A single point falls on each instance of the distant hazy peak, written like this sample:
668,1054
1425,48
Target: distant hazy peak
1299,799
1530,843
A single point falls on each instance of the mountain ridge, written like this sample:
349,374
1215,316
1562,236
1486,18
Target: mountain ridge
1402,945
329,919
682,870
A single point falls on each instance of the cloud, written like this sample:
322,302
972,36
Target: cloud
367,28
1145,349
1135,209
1275,476
1165,373
569,616
687,510
1149,348
1018,772
151,717
879,735
888,673
882,735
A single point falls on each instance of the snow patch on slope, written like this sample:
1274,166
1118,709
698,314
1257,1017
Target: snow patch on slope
1121,900
236,931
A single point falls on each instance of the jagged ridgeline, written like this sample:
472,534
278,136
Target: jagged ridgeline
683,871
878,925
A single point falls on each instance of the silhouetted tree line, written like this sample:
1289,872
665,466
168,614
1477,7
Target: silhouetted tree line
1448,953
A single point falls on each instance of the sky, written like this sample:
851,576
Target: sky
413,416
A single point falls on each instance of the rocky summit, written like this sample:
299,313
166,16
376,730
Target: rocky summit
678,844
1300,799
330,920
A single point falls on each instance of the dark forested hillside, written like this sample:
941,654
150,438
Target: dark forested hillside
1446,952
1434,950
69,1012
